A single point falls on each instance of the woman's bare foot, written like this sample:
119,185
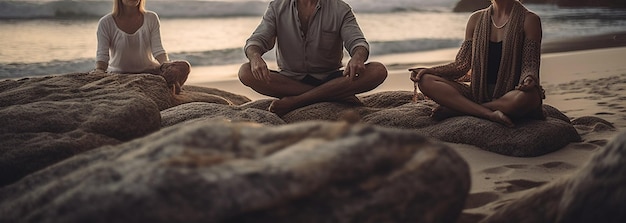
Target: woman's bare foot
499,117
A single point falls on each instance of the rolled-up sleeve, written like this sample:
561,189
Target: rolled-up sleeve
351,33
264,36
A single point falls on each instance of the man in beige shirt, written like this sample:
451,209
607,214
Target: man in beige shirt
310,36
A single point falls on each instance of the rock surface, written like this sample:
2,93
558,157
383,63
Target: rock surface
395,109
596,193
45,120
124,147
529,137
216,171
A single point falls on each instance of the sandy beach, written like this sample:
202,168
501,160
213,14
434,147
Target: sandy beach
103,112
589,82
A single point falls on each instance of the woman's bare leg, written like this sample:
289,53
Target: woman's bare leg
517,103
441,91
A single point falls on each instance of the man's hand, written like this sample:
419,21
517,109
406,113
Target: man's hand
356,65
259,69
354,68
258,66
527,84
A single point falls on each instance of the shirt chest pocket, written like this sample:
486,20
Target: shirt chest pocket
329,40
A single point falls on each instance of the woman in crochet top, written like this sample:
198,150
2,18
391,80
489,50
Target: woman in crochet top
501,51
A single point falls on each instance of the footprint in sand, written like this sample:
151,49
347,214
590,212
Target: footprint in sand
480,199
616,106
511,186
558,165
584,146
516,166
600,142
503,170
605,113
497,170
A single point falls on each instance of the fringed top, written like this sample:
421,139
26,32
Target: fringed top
520,57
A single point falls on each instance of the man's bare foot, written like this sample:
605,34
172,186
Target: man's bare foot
499,117
282,106
441,113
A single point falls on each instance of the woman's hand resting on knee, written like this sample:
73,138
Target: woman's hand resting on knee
528,84
417,73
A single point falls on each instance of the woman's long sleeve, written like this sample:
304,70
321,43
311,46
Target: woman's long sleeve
531,60
461,65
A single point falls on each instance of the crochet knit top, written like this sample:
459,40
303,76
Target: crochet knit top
520,57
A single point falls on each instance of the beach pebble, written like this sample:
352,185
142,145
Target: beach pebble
44,120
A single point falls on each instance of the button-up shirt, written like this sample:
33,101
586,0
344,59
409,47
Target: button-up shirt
318,52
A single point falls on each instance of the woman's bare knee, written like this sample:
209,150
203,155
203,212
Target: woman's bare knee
518,103
183,66
426,81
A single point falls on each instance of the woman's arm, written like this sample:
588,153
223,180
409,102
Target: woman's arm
463,60
155,38
104,41
162,58
101,67
531,52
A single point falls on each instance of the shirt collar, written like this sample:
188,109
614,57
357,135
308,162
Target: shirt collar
319,3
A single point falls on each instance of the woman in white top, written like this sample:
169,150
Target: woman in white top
132,36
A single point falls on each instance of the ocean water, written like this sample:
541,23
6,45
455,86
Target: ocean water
42,37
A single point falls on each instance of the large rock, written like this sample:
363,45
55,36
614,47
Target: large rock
596,193
47,119
528,138
195,110
216,171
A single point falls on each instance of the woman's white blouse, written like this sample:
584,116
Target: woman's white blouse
130,53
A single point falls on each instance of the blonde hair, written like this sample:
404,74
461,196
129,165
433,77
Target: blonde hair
117,6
